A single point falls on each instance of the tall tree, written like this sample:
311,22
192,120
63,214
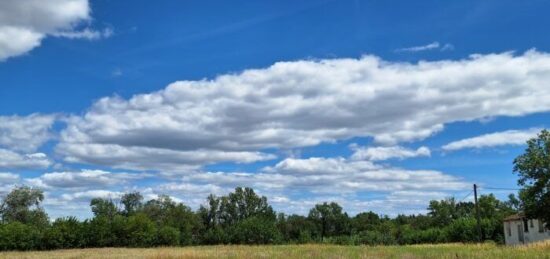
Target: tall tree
22,204
132,202
330,219
533,168
103,208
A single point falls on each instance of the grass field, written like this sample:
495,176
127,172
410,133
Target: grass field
541,250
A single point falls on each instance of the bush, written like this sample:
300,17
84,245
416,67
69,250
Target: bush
256,230
215,235
168,236
375,238
18,236
141,231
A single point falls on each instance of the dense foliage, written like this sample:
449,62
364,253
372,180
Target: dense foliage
241,217
533,168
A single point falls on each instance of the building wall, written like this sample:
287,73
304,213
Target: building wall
512,236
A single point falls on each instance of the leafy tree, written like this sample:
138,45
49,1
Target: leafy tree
22,204
132,202
442,212
365,221
141,231
227,212
256,230
18,236
165,212
64,233
513,203
98,232
533,168
168,236
103,208
330,219
244,203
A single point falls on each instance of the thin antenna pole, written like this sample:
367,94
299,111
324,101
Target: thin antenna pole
479,230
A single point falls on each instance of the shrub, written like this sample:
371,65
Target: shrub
18,236
256,230
168,236
141,231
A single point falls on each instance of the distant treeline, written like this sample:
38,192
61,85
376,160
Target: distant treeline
241,217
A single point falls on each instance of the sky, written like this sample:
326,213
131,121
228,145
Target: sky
378,105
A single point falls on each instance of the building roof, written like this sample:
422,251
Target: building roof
518,216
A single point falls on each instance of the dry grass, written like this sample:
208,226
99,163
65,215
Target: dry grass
540,250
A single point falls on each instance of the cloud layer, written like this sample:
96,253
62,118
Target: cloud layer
304,103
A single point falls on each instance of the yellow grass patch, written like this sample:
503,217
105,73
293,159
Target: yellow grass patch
539,250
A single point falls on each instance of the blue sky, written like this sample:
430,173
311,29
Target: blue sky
379,105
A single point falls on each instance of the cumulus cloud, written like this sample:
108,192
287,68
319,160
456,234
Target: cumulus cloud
7,182
13,160
83,179
385,153
509,137
86,196
25,133
8,178
23,24
303,103
337,175
145,158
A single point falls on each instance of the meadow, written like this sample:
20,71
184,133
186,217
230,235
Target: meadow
488,250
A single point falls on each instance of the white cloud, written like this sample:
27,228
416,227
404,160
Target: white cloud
303,103
23,24
331,175
13,160
8,178
430,46
86,196
87,33
25,133
144,158
83,179
385,153
509,137
7,182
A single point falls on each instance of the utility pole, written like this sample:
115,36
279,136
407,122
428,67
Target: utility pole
477,215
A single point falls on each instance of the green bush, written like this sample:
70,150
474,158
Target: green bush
141,231
18,236
256,230
375,238
168,236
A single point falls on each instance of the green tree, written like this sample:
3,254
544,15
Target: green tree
141,231
22,204
166,212
64,233
365,221
103,208
132,202
442,212
533,169
256,230
330,219
18,236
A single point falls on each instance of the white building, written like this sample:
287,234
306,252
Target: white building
520,230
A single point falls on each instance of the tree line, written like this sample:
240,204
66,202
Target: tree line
243,217
240,217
